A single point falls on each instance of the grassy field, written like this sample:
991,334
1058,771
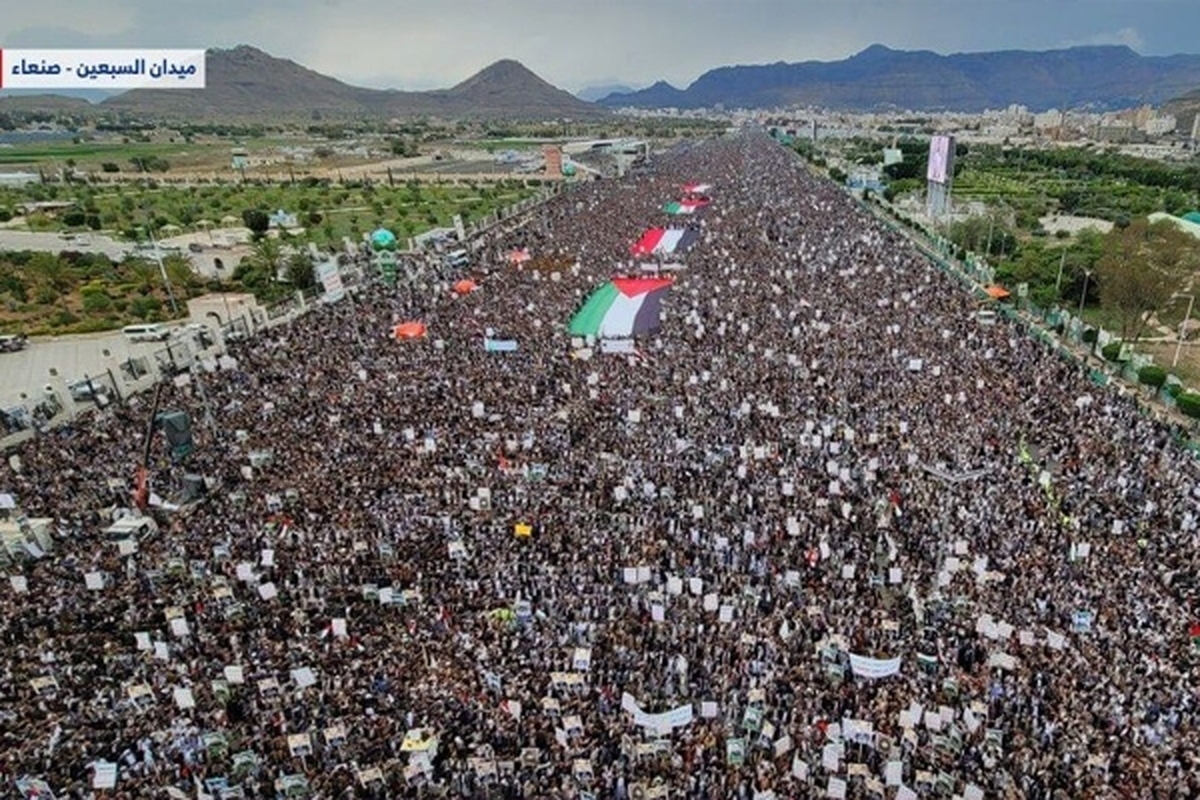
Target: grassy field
88,156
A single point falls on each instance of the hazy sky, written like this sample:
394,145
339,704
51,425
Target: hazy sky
421,44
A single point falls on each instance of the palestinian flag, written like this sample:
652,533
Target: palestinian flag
685,206
1194,633
664,241
622,308
696,188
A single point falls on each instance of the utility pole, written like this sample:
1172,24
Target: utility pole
163,271
1058,281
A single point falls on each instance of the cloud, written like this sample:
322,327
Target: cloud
1125,36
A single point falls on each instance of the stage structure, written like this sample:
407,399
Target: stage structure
940,176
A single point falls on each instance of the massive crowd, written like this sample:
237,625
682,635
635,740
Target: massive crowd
823,534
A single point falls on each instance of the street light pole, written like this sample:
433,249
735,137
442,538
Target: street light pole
1179,337
163,270
1058,281
1087,274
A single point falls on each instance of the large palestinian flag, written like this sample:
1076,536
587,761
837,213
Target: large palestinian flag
622,308
690,206
664,241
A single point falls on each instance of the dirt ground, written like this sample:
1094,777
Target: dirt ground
1188,369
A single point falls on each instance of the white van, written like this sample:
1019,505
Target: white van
146,333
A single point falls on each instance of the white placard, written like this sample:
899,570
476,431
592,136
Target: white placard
19,583
267,559
304,677
674,585
104,775
143,640
831,756
235,674
708,709
94,581
711,601
179,627
267,591
184,698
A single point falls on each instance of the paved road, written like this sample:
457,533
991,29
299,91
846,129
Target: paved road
54,242
28,371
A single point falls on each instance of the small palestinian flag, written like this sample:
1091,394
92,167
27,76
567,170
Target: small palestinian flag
1194,633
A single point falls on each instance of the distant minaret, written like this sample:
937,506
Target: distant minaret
1195,130
814,130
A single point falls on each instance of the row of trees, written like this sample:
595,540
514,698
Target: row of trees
1133,271
73,291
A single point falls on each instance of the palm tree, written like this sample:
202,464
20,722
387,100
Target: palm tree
267,255
142,274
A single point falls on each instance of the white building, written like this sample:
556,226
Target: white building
1159,126
1048,119
18,178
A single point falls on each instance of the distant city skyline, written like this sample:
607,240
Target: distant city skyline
418,46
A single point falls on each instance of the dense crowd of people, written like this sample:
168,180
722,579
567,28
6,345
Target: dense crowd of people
824,534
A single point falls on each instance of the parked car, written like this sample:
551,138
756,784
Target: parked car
11,344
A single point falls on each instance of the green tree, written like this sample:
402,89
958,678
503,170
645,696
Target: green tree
257,220
300,272
267,257
1143,265
141,273
182,274
1188,404
51,273
146,307
95,298
1152,376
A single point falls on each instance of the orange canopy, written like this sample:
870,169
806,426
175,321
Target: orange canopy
409,330
465,286
997,292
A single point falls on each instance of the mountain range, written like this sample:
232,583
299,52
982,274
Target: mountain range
591,94
879,78
1185,109
245,83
